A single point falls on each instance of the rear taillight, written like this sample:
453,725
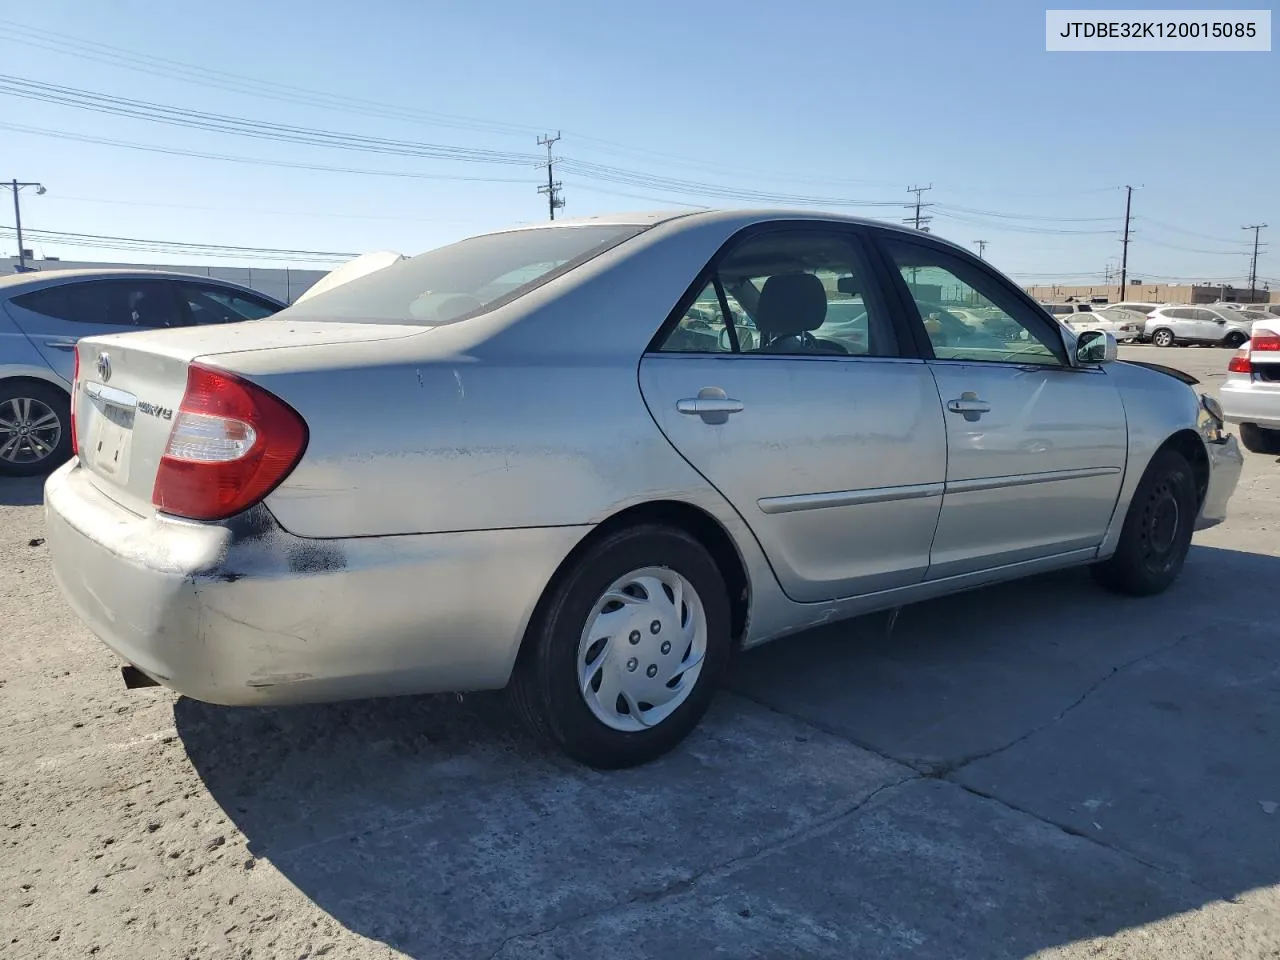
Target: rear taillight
75,395
231,444
1240,362
1264,341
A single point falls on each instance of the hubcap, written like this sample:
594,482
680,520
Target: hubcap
29,430
642,650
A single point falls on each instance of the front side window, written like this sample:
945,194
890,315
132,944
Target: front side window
463,279
968,314
792,292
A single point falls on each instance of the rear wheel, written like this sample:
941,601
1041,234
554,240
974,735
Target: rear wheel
1258,439
35,428
1234,340
1163,337
623,659
1157,530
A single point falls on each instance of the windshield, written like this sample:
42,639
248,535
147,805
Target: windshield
465,278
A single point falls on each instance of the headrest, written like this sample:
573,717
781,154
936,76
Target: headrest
791,304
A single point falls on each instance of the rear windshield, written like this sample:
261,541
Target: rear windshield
465,278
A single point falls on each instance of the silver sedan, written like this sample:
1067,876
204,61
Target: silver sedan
586,461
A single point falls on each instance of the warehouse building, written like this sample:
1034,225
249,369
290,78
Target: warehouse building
1138,290
283,283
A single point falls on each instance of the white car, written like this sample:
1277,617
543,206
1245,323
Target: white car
1251,394
1173,326
1122,324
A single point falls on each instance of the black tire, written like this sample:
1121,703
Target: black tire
1157,530
1163,337
1235,340
1258,439
24,459
545,688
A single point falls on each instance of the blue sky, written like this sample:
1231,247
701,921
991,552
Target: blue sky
850,101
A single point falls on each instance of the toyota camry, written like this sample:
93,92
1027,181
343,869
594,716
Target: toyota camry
587,461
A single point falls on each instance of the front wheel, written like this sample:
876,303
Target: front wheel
625,654
1258,439
1163,338
1157,530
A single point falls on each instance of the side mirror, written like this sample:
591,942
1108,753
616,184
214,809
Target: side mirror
849,285
1096,346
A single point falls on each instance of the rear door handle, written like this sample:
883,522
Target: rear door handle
712,404
60,343
704,405
969,406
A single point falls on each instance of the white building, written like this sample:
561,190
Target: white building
283,283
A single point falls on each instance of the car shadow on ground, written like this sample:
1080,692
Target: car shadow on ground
1004,771
21,491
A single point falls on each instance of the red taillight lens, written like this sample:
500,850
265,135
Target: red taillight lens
231,444
1264,341
75,395
1240,362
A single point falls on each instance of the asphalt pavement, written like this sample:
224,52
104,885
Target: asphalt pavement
1034,769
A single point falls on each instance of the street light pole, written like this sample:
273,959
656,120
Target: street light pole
15,186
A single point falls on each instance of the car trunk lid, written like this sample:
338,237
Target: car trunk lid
131,387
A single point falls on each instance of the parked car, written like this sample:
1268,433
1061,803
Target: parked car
433,479
1176,326
1125,325
1064,310
42,315
1250,396
1137,307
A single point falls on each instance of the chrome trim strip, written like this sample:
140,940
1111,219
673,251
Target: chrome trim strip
849,498
1022,479
111,395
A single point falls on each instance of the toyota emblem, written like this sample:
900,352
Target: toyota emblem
104,367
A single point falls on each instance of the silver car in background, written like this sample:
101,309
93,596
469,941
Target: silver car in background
1172,326
586,461
43,314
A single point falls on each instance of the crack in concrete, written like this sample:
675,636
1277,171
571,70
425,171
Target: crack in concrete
946,770
675,888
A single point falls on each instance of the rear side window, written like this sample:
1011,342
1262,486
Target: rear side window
115,303
1180,313
464,279
219,305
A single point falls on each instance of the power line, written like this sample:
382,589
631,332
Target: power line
552,189
256,161
174,246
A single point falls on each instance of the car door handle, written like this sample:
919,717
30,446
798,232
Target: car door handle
61,343
969,406
697,406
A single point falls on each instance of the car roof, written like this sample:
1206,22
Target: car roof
12,284
732,218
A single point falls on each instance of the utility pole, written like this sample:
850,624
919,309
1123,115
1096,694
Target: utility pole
552,189
918,220
15,186
1253,266
982,248
1124,249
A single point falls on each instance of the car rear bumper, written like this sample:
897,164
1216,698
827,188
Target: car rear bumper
1225,463
1245,401
246,613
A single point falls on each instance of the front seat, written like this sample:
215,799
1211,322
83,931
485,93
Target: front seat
791,307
